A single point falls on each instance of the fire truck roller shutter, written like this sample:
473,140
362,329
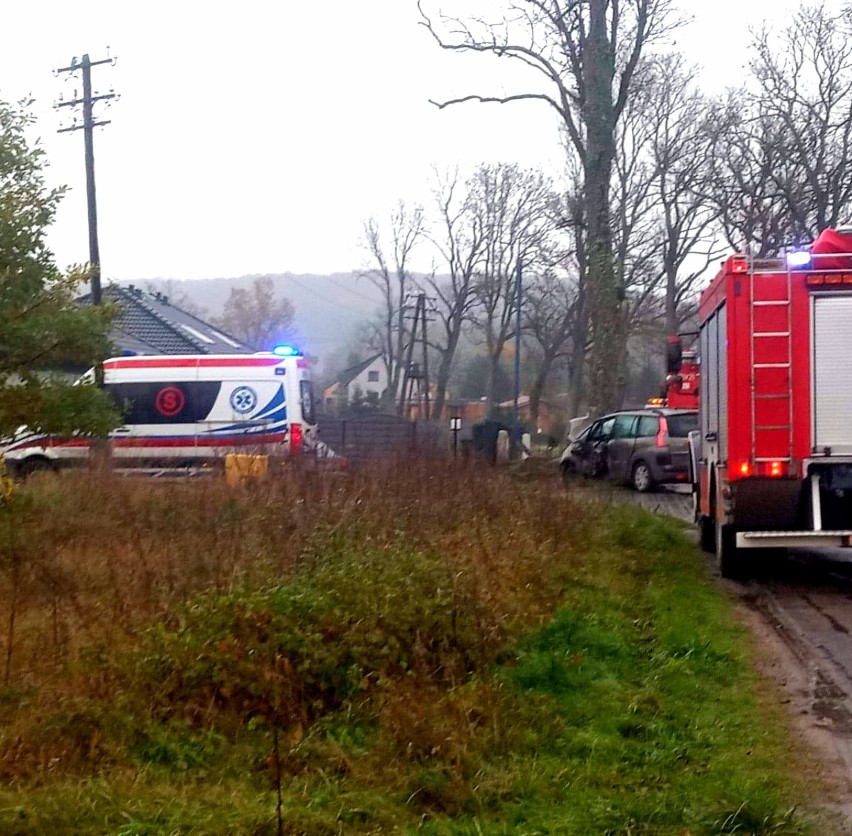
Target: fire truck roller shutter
832,385
722,371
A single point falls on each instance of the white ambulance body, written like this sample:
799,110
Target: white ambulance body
183,410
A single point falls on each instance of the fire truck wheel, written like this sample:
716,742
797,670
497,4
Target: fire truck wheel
641,477
733,563
707,534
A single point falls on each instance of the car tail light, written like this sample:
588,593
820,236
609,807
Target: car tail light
744,469
663,432
295,439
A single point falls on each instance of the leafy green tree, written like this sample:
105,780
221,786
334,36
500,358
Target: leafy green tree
42,329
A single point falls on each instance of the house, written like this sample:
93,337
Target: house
147,323
363,383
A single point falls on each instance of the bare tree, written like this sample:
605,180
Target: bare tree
391,273
515,210
549,315
573,221
746,152
257,316
680,149
635,210
782,147
587,52
460,241
804,83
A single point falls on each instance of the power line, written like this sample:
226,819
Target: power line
349,290
323,298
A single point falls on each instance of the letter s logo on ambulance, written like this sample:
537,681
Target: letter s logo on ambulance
243,399
170,401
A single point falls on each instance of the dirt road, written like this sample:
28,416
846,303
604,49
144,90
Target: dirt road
800,612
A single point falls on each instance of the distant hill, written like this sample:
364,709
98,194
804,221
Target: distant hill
329,309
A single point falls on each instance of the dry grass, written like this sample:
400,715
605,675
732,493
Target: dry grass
410,646
87,562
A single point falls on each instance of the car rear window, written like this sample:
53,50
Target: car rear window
649,426
682,424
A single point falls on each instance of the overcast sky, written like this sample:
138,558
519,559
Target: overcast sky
255,136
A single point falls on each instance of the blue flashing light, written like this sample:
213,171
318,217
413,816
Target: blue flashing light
798,258
286,351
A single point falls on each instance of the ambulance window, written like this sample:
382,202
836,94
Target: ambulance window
306,393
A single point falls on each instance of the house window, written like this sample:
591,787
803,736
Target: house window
372,377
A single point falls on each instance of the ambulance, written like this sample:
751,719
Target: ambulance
190,410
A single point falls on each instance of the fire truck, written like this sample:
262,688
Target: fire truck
772,460
682,375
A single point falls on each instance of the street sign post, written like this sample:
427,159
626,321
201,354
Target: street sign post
455,428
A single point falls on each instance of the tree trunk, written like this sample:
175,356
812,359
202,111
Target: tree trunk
671,289
537,389
441,384
576,383
605,293
446,365
491,382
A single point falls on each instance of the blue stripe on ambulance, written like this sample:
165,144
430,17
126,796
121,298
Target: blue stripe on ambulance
274,412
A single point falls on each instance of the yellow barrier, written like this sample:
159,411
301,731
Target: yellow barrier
239,467
7,488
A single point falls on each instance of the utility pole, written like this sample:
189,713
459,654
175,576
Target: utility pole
414,372
407,376
518,278
87,100
426,407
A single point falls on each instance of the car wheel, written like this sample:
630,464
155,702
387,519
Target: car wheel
34,464
641,477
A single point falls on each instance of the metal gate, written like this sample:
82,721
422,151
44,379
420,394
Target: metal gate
380,436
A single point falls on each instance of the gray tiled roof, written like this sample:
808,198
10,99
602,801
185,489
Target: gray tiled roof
148,324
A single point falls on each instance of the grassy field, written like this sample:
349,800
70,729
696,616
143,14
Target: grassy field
418,648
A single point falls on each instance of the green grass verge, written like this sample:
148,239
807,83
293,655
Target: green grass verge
400,708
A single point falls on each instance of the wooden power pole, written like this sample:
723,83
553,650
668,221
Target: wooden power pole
88,125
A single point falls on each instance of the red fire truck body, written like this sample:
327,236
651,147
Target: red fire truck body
682,380
773,458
